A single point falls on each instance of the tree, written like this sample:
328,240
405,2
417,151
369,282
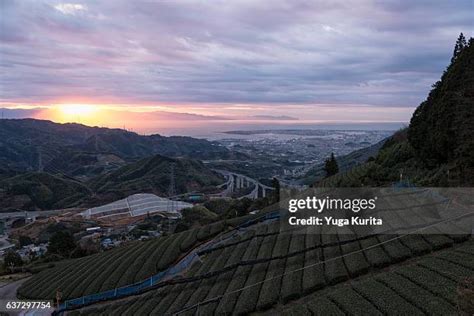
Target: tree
330,166
61,243
276,191
460,45
25,240
441,127
12,260
78,252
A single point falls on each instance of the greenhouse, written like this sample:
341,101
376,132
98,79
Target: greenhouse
136,205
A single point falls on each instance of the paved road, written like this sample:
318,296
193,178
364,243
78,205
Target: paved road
231,184
8,290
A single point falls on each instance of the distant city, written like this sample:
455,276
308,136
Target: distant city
290,153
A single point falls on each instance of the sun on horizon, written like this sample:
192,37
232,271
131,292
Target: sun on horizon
76,112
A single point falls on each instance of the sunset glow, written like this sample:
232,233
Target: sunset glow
75,110
89,114
235,62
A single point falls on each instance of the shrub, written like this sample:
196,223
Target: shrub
321,306
394,248
349,300
375,255
61,243
291,283
416,295
386,300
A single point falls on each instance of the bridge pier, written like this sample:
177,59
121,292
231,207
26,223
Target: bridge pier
234,180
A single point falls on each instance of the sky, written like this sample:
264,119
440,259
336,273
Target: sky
308,60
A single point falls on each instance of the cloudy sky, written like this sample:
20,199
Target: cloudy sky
306,59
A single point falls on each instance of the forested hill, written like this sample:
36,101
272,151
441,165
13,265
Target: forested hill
43,191
152,175
29,144
442,127
437,149
45,165
40,191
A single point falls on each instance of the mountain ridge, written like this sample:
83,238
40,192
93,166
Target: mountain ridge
30,144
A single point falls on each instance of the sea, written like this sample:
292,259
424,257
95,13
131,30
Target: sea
215,130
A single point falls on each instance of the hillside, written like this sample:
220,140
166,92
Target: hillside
442,128
435,279
153,174
117,267
425,286
83,165
38,191
226,268
28,144
43,191
437,148
74,160
345,162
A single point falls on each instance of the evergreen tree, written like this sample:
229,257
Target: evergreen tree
460,45
331,166
61,243
441,127
276,191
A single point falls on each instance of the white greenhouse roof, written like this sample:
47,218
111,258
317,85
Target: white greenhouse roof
138,204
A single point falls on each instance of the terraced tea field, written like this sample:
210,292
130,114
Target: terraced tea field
115,268
253,268
230,280
428,286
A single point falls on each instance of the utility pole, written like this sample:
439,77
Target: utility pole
172,187
40,160
171,207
